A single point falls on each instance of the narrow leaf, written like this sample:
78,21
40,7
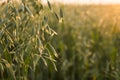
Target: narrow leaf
1,67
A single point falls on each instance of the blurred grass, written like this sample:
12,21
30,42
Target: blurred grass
88,43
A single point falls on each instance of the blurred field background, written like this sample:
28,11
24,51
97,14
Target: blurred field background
87,43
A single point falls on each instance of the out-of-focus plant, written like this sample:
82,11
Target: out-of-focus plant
88,43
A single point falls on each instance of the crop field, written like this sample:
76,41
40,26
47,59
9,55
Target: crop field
88,43
59,42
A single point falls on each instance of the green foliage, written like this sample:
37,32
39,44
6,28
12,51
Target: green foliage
25,40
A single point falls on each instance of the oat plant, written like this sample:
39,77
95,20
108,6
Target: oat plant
25,37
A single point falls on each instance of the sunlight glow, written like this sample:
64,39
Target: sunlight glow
86,1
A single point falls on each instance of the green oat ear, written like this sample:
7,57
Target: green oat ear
56,16
61,13
49,5
61,16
